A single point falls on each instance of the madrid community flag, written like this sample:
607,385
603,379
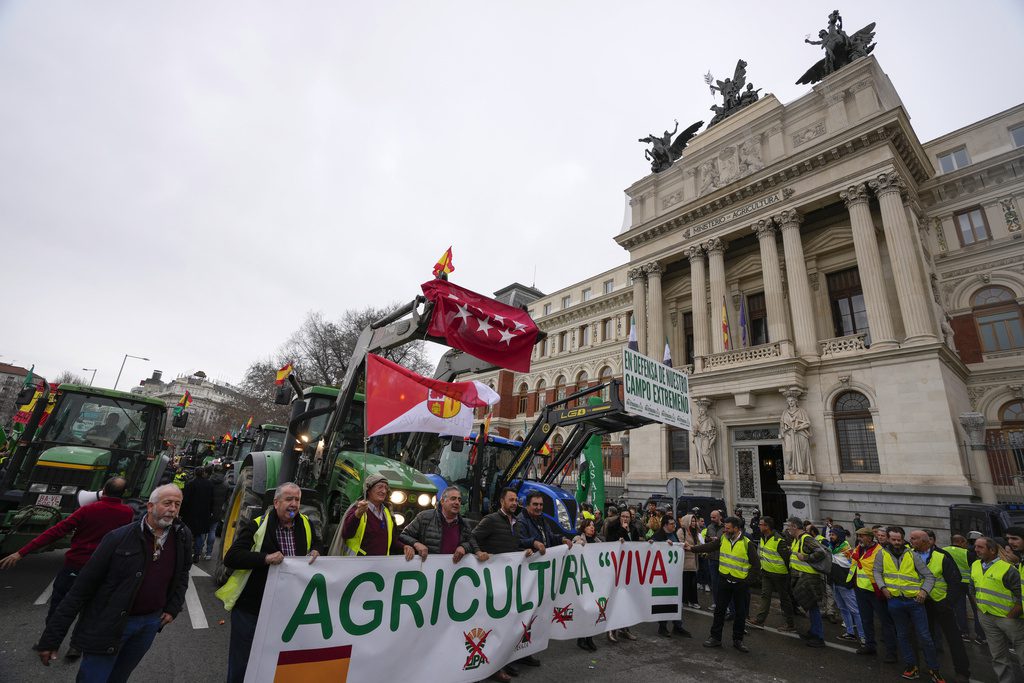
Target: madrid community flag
480,326
444,265
399,400
283,373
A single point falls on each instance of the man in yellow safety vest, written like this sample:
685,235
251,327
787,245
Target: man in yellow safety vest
997,590
774,552
939,606
808,582
267,540
368,527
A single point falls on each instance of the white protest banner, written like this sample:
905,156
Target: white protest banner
385,618
655,390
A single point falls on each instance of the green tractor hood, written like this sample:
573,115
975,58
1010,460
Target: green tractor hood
399,475
74,455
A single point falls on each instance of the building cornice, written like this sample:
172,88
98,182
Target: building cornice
589,311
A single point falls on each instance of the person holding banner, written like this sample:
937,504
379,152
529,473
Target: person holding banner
622,530
442,530
264,542
368,527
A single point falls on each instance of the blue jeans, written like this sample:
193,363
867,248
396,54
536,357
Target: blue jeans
243,628
908,614
817,628
869,605
62,584
138,635
202,539
846,601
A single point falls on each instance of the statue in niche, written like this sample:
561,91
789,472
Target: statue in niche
705,433
709,179
664,151
840,48
750,156
795,431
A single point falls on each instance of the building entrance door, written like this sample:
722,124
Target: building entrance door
758,468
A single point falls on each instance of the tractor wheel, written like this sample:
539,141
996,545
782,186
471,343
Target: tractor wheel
240,511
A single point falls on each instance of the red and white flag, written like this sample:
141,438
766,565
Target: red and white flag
399,400
480,326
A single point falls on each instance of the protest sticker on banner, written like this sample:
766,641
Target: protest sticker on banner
655,390
346,618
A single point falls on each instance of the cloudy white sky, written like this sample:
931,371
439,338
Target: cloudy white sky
185,180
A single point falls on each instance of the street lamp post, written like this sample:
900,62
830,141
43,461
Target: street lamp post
93,378
126,357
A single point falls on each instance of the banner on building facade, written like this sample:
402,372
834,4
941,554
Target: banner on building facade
655,390
385,618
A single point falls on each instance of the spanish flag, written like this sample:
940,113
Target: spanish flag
544,450
444,265
320,664
283,373
227,436
725,326
248,425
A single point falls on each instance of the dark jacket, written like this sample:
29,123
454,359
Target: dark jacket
427,526
616,532
531,531
715,546
951,575
495,534
241,556
197,505
221,492
106,586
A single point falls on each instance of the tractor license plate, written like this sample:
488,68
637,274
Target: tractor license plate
48,500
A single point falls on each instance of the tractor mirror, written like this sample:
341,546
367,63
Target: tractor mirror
24,396
283,396
180,420
457,444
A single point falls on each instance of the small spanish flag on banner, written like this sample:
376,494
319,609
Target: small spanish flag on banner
725,326
248,425
186,400
444,265
544,450
322,664
283,373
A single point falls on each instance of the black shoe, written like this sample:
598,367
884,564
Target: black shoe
807,635
738,644
589,642
511,670
663,631
680,631
530,661
196,557
866,650
580,645
815,642
711,642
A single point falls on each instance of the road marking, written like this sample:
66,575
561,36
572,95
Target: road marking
773,630
41,600
192,602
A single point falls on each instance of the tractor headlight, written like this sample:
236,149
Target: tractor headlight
68,490
433,501
423,499
398,497
563,515
39,488
399,519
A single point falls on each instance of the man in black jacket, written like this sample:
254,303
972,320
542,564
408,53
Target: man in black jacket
442,530
133,585
536,531
286,533
197,512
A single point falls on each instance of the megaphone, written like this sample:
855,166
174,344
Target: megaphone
87,497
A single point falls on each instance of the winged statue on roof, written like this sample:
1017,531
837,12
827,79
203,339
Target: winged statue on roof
840,48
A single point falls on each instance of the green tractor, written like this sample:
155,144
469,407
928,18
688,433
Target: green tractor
268,437
76,438
198,452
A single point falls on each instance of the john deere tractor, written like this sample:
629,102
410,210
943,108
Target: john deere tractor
75,438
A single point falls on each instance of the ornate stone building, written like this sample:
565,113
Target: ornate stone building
848,301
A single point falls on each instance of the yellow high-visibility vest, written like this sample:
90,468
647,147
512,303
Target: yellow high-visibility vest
354,545
798,564
863,568
991,595
940,589
904,579
732,558
959,556
771,560
229,592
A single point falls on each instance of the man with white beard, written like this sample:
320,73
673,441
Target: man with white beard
133,585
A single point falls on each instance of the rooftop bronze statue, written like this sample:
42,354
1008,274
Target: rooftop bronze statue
840,48
733,95
664,151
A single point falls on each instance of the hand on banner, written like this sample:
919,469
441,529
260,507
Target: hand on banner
409,552
687,547
459,553
539,547
482,556
567,541
274,558
313,555
421,550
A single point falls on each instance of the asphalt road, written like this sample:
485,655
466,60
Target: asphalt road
194,647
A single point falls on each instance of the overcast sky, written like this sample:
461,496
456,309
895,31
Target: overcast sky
185,180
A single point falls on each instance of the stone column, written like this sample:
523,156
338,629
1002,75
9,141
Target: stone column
655,314
974,425
914,303
715,249
698,287
869,265
639,306
774,297
804,328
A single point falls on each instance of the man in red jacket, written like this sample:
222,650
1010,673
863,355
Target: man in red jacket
90,524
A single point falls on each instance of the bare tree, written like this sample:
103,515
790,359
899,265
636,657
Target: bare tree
68,377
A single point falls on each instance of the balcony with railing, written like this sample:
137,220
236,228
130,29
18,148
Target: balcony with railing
838,347
753,354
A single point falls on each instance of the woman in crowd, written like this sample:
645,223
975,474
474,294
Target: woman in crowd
689,532
845,598
588,534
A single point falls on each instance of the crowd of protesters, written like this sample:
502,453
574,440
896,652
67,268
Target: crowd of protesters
881,584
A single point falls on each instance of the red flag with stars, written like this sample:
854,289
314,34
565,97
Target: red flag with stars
480,326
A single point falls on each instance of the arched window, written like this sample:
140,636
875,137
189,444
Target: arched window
521,399
542,394
560,387
1012,412
997,315
556,444
582,380
605,376
855,433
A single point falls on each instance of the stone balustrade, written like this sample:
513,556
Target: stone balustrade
743,356
843,346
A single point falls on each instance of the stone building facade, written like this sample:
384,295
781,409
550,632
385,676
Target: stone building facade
846,298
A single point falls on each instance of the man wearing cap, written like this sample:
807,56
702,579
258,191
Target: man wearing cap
368,527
